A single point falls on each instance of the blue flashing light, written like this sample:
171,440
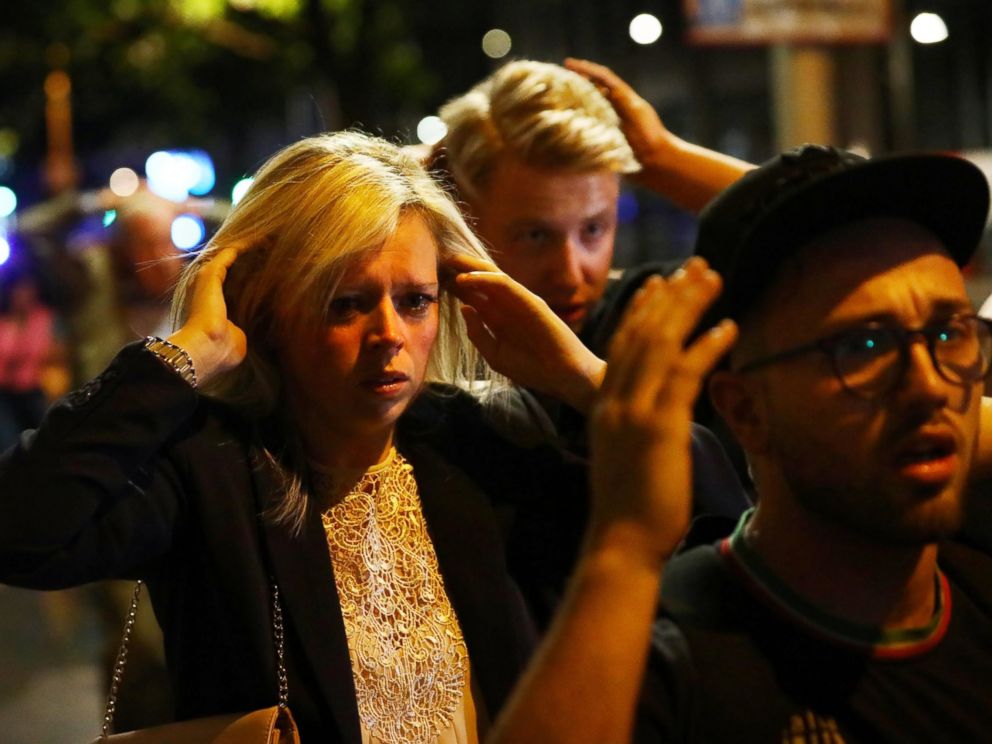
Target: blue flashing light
187,232
206,177
8,201
168,176
175,174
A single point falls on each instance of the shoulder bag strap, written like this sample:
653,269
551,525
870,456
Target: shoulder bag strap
121,661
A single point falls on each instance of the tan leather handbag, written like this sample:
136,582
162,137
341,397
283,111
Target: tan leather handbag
273,725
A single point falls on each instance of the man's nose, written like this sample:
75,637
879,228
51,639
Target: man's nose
922,379
567,263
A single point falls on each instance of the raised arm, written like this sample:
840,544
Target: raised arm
213,342
582,685
687,174
520,337
89,494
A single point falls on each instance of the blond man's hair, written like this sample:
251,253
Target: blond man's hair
313,209
543,114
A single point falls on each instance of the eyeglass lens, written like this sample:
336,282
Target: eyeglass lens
871,360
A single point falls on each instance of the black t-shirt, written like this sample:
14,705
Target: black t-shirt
735,658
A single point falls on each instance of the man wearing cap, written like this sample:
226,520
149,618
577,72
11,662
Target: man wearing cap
839,610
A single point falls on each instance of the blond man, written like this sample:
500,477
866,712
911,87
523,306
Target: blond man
537,152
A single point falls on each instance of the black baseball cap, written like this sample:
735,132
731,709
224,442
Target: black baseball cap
749,230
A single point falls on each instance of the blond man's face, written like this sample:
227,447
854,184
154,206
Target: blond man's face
551,230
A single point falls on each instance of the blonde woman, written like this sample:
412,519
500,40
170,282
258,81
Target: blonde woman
291,431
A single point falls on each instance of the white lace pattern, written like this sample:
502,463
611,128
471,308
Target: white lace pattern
408,656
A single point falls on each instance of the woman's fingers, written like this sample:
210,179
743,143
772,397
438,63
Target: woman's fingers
222,261
213,271
208,306
459,263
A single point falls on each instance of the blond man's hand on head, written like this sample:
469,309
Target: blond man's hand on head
640,123
687,174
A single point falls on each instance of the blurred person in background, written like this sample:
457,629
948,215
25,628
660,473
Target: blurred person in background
114,282
30,353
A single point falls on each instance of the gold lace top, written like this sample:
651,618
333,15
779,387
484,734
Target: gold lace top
408,656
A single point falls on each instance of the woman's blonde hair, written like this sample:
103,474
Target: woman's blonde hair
540,112
312,209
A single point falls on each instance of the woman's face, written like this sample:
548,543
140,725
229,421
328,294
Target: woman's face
358,373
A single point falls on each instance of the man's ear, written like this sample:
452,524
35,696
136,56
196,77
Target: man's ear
739,402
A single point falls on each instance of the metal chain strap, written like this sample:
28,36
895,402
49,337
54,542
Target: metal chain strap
277,633
121,661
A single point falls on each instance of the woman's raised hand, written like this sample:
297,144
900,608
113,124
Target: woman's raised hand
641,422
208,336
520,337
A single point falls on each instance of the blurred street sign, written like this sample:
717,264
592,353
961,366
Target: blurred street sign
736,22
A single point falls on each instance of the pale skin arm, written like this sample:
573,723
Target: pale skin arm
583,683
686,174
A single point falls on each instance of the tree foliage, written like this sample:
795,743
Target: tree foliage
211,73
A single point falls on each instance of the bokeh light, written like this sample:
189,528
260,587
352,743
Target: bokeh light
124,182
206,177
4,250
10,140
109,216
431,130
496,43
175,174
165,177
240,189
928,28
8,201
645,29
188,231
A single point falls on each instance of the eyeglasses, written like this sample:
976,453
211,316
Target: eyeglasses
871,360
